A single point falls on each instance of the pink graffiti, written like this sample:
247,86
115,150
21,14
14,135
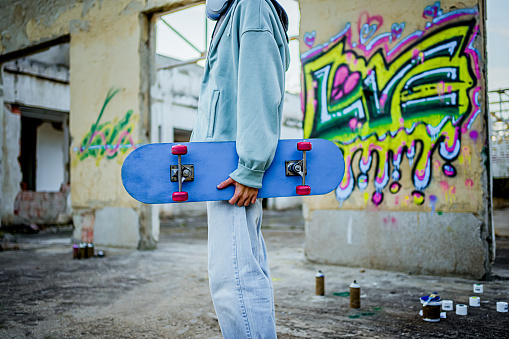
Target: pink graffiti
383,99
469,183
353,124
474,52
431,11
377,198
344,82
421,174
415,54
376,147
397,30
309,38
448,191
367,25
476,110
474,135
444,185
456,139
113,150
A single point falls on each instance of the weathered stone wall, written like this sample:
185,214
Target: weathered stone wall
110,60
42,207
400,87
11,173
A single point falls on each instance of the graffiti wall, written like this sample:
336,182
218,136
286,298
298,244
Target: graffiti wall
102,139
399,88
106,140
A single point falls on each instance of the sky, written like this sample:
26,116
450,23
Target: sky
498,44
191,23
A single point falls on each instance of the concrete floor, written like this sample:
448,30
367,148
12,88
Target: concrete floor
164,293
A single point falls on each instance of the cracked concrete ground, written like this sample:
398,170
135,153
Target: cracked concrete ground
164,293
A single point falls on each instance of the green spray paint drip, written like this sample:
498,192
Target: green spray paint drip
111,93
367,314
341,294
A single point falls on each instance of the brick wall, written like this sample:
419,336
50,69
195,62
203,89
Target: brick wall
42,207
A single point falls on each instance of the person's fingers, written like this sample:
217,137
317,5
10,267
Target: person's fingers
243,195
225,183
242,199
234,199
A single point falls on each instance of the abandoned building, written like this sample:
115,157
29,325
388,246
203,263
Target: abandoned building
399,86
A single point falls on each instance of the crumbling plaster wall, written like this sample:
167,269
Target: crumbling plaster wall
109,59
1,136
400,87
11,174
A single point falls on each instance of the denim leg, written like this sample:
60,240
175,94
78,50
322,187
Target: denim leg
239,275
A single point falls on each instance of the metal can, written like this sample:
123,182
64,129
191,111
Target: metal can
90,250
320,283
75,251
355,295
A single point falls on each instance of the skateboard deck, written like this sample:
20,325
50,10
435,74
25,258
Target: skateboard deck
148,171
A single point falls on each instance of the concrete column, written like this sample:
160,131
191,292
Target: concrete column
416,194
148,214
1,134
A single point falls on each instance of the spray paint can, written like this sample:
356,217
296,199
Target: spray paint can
82,254
90,250
355,295
320,283
75,251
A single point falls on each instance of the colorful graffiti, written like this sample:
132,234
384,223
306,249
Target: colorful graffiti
383,95
108,139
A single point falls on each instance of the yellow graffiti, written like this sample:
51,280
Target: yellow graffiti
409,106
110,138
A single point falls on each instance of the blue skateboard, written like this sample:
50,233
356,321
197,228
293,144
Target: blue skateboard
167,173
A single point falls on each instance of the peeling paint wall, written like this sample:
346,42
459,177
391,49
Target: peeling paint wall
10,169
399,86
45,88
109,81
1,137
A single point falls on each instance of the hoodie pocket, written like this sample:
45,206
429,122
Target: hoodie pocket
212,113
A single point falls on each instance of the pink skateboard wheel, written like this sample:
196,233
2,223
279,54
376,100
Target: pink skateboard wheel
179,196
303,190
179,149
304,146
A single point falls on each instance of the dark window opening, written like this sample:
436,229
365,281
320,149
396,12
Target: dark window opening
28,152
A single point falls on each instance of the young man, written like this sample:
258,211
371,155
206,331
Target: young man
241,100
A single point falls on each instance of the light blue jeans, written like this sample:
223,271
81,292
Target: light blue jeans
239,275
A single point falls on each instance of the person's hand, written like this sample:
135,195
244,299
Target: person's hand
243,196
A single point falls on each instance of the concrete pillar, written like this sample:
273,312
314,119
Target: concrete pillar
1,135
400,87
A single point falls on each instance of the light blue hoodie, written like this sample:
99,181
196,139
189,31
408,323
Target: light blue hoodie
243,87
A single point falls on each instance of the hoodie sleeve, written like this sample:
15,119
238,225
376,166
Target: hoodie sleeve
260,92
